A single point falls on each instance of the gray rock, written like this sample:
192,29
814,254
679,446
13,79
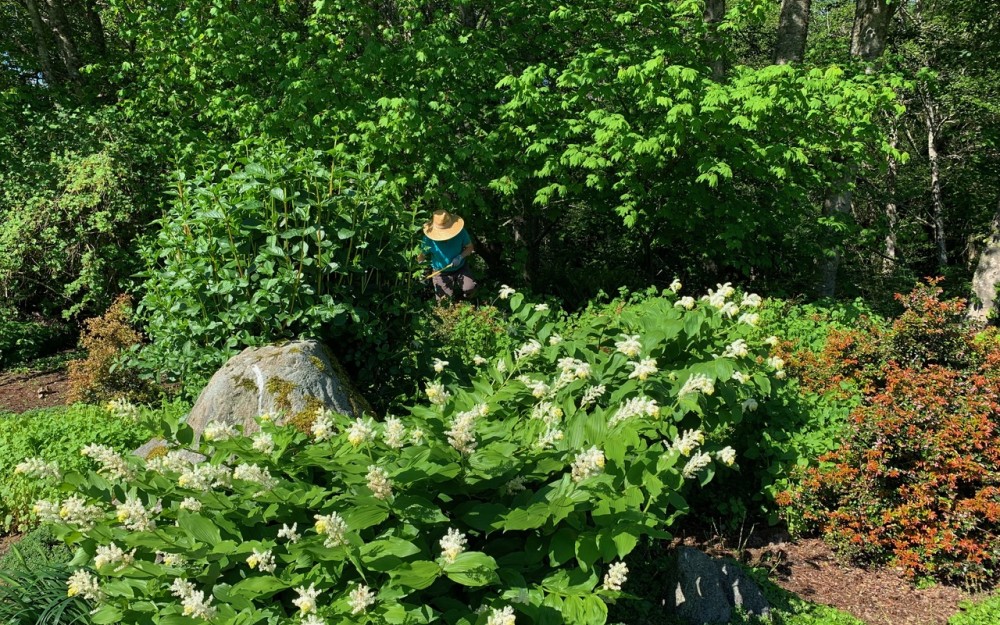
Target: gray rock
290,380
705,590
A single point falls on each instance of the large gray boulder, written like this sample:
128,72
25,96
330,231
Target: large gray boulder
288,380
705,590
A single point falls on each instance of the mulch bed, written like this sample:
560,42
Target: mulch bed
27,391
811,570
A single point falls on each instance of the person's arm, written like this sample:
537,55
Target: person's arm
425,250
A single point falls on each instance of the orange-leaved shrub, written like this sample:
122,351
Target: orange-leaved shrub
99,377
916,483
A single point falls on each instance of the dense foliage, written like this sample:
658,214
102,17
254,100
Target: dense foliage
516,493
57,435
916,480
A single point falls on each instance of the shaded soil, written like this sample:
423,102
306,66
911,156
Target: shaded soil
27,391
810,569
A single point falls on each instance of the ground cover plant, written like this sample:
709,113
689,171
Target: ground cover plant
511,497
917,480
56,435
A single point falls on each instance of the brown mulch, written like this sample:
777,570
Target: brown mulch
27,391
7,541
810,569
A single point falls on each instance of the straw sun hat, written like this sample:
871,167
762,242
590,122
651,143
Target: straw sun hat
443,226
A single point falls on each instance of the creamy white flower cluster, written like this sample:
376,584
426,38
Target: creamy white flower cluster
688,441
361,431
263,442
218,431
727,456
123,409
193,602
687,303
741,377
779,366
695,464
452,545
262,561
633,407
439,365
528,350
323,428
616,576
547,412
555,339
171,559
306,601
736,349
205,476
379,482
361,598
74,510
133,515
573,368
333,527
85,584
174,461
38,468
642,369
393,433
551,436
290,534
698,383
436,393
256,474
506,291
462,435
113,554
749,405
629,345
501,616
538,388
587,464
516,485
592,394
676,285
191,504
113,466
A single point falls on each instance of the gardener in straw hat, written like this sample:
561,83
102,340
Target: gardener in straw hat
447,243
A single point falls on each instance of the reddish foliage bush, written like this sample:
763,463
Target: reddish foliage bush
917,482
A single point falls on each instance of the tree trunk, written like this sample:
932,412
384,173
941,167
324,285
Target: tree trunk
871,27
868,39
715,10
891,209
793,28
937,200
836,205
987,276
64,39
42,42
96,28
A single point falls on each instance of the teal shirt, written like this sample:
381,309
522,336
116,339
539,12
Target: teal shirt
441,252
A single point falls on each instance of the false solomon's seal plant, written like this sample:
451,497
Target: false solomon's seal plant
512,499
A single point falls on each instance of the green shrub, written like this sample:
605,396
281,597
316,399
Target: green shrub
517,492
281,244
987,611
24,341
37,548
57,435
